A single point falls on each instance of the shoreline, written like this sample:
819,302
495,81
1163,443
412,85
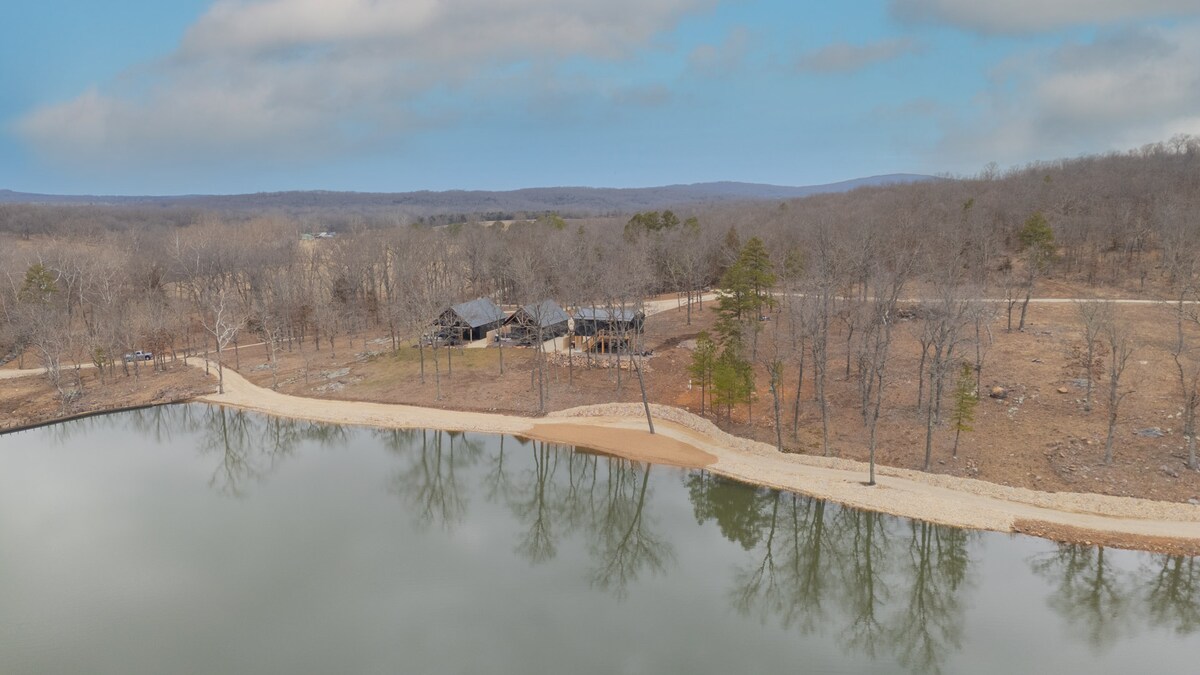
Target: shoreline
688,441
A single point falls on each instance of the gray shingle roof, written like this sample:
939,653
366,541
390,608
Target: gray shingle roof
478,312
547,312
605,314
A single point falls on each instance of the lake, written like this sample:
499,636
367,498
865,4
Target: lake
197,539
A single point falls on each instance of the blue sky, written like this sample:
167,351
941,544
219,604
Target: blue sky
190,96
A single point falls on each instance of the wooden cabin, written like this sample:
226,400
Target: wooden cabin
607,330
594,321
468,321
545,319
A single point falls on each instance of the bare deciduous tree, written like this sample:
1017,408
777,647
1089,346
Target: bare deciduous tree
1117,333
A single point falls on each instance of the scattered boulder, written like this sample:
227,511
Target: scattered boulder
1063,390
998,392
1150,432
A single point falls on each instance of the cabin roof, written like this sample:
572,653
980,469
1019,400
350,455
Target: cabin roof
606,314
546,313
478,312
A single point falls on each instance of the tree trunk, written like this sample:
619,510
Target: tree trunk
1190,430
437,375
929,426
421,349
220,370
796,403
1087,369
824,423
978,359
1112,429
274,365
540,355
645,401
871,446
778,425
849,336
921,377
1024,307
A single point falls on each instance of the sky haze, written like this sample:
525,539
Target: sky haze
232,96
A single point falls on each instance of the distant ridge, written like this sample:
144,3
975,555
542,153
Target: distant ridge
567,200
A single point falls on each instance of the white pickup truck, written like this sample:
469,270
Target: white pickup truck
139,355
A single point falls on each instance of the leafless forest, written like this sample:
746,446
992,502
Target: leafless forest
84,285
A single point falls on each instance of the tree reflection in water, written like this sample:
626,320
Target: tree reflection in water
875,583
929,628
1100,601
879,586
1172,591
865,566
251,446
566,493
430,483
248,446
533,500
624,543
792,574
1091,596
553,492
162,423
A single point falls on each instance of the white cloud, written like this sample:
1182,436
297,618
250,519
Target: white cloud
1120,91
1027,16
843,57
296,79
721,59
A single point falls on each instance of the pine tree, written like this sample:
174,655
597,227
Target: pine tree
965,400
39,284
745,292
1038,249
733,380
704,361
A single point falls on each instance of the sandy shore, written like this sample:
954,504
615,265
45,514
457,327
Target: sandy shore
686,440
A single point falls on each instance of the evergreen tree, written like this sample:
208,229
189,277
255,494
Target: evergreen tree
746,285
1038,249
733,380
965,400
758,273
1037,239
704,361
39,284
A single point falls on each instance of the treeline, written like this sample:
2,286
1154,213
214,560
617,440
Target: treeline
831,272
209,285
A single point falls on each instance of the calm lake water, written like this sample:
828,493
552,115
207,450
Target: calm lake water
193,539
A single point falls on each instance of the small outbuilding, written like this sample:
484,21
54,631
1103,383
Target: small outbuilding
545,320
469,321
